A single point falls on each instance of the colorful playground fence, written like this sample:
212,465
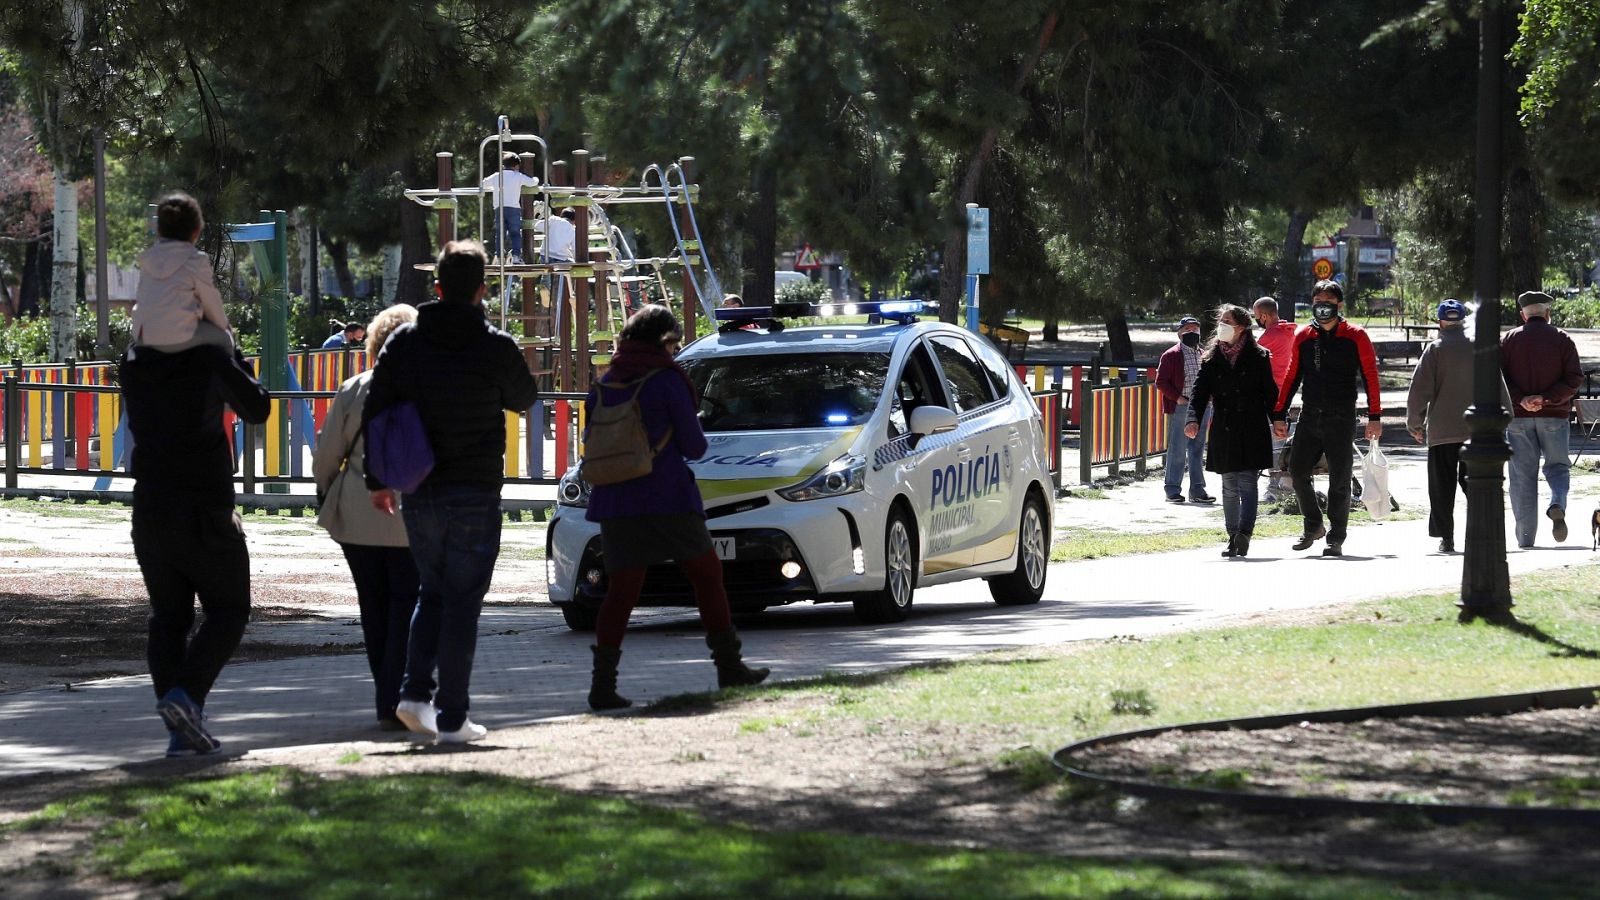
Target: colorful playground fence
67,429
63,428
1122,423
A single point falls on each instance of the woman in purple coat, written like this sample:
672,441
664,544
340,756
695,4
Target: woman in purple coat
657,518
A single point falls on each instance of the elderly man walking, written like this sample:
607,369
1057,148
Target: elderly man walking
1436,415
1175,375
1542,372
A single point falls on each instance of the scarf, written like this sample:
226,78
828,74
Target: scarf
636,359
1231,351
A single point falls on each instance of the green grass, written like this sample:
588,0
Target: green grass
1075,543
1386,651
286,833
524,552
67,509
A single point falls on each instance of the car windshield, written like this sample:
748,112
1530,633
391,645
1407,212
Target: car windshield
797,390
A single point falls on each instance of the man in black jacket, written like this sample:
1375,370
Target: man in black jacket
186,535
1330,358
463,375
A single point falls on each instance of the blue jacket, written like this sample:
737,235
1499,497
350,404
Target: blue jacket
664,401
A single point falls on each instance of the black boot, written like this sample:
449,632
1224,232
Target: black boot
603,687
1241,544
1230,551
731,670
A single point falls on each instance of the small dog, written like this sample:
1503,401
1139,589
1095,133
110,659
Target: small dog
1594,529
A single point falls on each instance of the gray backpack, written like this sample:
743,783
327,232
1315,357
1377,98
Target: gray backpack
616,446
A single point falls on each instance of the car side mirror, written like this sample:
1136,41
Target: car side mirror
926,420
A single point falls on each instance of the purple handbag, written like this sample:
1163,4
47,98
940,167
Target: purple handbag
398,452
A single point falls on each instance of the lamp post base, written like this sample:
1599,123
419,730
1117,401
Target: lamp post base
1485,579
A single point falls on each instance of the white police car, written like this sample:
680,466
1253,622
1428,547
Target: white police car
846,463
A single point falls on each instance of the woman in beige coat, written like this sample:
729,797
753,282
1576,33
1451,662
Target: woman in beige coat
374,544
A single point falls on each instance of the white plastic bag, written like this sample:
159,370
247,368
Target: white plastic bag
1375,481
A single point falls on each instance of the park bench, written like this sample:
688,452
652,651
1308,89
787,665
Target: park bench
1387,351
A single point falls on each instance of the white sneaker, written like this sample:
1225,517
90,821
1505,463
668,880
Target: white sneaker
418,716
468,732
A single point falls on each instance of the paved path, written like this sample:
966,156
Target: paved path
530,667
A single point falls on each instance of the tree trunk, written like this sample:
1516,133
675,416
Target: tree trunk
309,272
953,265
64,270
415,287
761,245
1526,245
1052,329
1117,336
339,254
1289,278
32,287
391,273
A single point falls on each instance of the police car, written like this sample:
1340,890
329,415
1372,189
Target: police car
846,463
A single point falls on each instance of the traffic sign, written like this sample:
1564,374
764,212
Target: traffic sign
807,260
1323,269
977,240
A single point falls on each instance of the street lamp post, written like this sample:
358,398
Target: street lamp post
1485,580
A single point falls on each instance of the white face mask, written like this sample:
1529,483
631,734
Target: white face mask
1226,333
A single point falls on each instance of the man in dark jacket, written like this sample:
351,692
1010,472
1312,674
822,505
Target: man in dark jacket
186,535
1436,414
1331,357
463,375
1542,372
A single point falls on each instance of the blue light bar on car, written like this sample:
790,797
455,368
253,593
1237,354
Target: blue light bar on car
889,309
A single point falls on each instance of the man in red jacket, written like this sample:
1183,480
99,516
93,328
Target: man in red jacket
1277,337
1330,357
1542,372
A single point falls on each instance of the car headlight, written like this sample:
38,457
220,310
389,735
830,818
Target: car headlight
845,475
573,490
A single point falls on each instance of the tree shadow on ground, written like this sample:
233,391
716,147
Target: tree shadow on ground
1534,633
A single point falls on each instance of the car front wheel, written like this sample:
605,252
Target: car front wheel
1025,584
893,602
580,616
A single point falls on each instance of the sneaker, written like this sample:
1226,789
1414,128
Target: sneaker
177,747
1306,540
182,716
1333,550
468,732
419,716
1447,546
1558,523
1176,498
516,260
1201,497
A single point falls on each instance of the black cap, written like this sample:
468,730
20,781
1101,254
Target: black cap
1534,298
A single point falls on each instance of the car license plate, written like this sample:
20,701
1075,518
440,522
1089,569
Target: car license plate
725,547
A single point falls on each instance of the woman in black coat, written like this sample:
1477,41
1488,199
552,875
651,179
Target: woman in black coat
1236,380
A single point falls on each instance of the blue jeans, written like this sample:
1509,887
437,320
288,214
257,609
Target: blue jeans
454,531
510,223
1530,437
1183,452
1239,501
